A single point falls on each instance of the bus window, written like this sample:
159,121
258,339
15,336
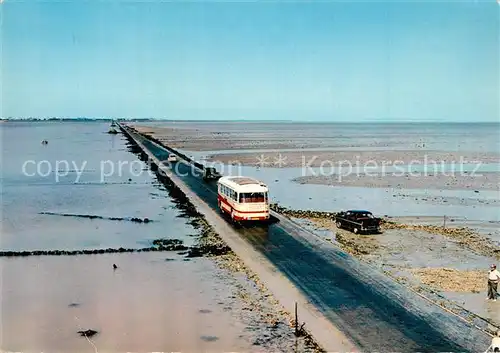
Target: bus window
248,197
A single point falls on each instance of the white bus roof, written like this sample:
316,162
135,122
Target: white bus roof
243,184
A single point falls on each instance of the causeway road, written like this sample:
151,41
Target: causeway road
373,311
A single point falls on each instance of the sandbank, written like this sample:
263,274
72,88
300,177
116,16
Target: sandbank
444,181
203,139
355,159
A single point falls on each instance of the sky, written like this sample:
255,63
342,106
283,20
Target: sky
312,61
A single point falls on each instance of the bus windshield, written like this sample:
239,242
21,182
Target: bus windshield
253,197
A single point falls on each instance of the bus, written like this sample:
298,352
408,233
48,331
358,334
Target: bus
244,198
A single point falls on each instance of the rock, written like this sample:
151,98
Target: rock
169,245
87,333
195,252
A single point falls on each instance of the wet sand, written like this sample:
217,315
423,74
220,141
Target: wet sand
481,181
216,136
354,158
213,139
152,302
350,146
359,166
489,229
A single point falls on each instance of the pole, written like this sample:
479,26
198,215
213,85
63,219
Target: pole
296,321
444,221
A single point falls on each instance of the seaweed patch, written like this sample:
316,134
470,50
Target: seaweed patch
131,219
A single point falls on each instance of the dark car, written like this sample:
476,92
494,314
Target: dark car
210,173
358,221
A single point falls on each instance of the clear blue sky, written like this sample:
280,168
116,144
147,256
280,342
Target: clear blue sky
331,61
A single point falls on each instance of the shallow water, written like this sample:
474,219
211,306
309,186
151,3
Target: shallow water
152,302
89,175
146,305
457,168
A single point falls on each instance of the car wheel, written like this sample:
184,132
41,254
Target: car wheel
338,224
356,230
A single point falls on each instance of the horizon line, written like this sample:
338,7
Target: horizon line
254,120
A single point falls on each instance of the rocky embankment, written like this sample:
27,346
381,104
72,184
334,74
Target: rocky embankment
301,213
207,246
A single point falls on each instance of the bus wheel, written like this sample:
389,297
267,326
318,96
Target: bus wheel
235,222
